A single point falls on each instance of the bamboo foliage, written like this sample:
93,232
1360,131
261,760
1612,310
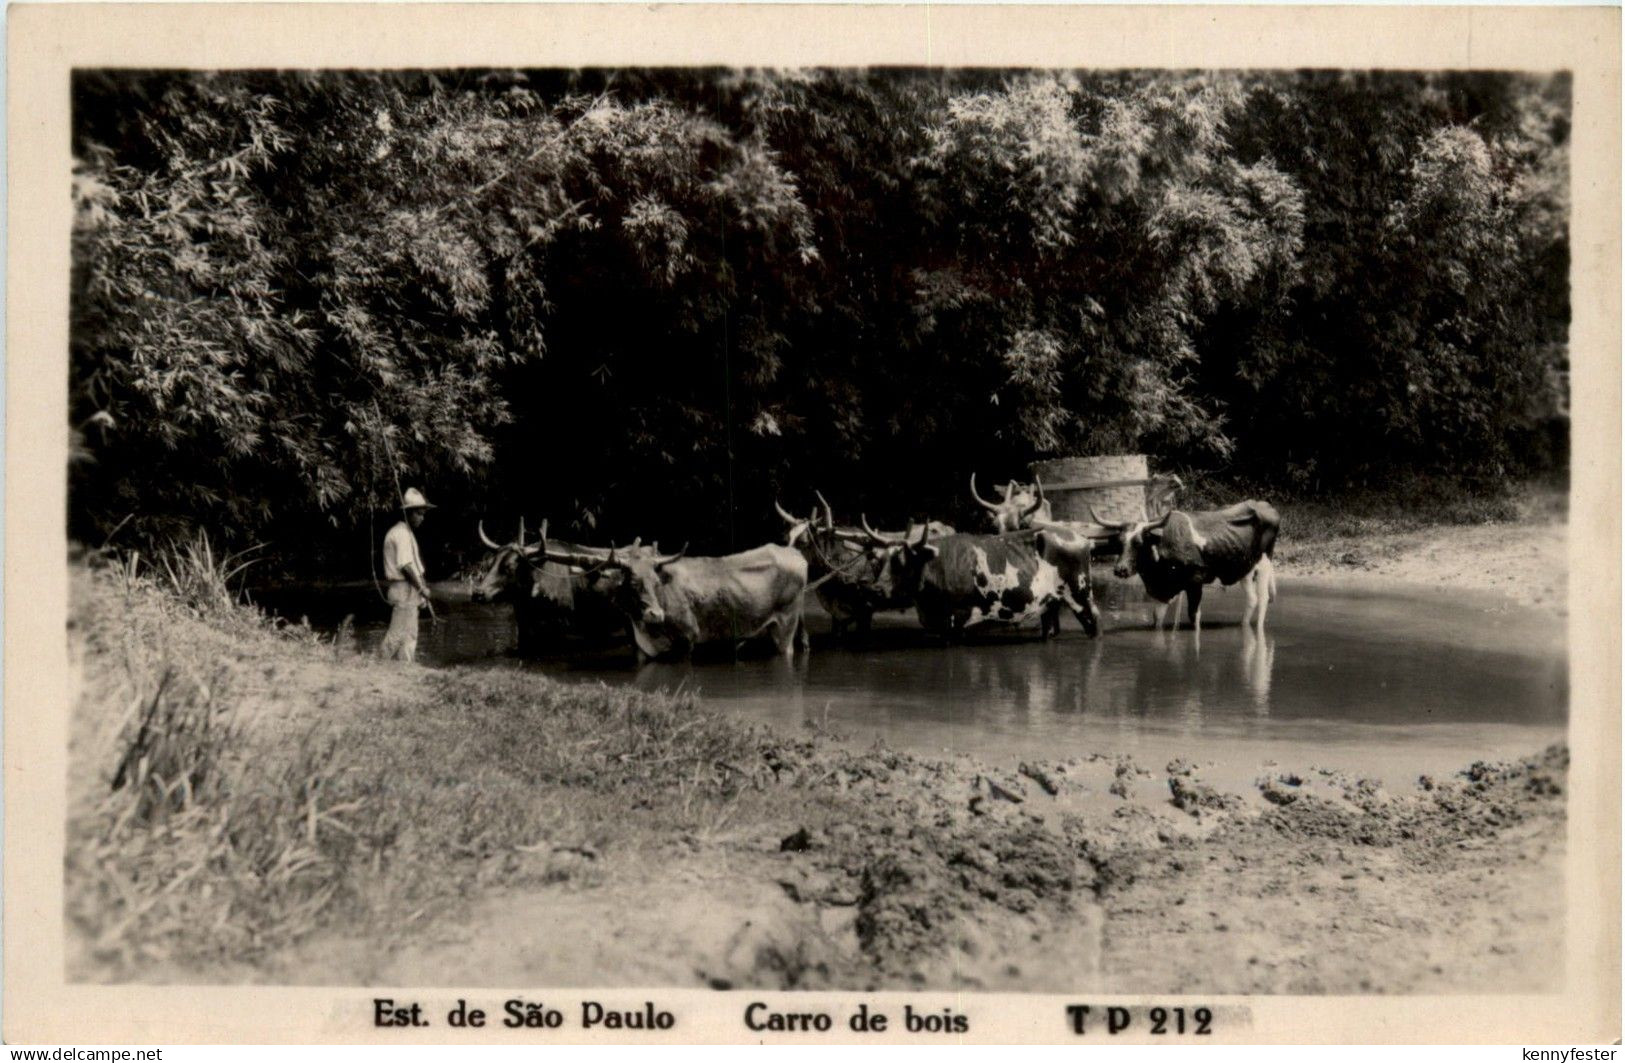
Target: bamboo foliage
707,287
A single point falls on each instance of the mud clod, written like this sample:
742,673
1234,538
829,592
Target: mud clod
799,842
1045,781
1191,796
1543,784
1010,790
919,897
1276,794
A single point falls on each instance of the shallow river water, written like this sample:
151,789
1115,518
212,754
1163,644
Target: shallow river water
1383,682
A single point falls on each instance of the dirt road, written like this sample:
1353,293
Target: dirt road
1527,560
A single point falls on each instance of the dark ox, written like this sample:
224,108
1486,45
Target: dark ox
1180,553
1019,506
550,599
676,603
965,581
845,565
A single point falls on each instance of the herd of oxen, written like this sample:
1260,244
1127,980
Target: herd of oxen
1028,566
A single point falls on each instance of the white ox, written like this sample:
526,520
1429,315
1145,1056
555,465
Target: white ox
675,603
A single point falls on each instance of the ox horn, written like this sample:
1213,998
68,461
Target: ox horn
829,513
818,549
1145,510
863,518
662,562
539,544
1172,485
486,539
1038,489
982,501
1114,525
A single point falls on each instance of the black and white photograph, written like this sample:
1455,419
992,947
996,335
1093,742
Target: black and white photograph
950,529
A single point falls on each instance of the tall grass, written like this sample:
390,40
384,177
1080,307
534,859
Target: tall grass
172,752
190,837
196,849
208,828
200,579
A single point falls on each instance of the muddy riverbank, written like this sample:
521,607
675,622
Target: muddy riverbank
900,873
353,822
1524,558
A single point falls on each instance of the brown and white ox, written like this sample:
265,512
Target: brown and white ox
676,603
965,581
1180,553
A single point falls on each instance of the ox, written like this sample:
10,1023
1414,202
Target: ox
1180,553
548,598
964,581
845,565
675,603
1020,507
842,567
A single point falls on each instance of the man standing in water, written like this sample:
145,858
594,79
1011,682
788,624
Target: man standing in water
408,589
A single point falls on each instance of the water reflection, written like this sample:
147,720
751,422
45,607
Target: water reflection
1237,668
1330,664
770,671
1258,662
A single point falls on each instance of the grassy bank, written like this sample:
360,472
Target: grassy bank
253,802
240,786
244,784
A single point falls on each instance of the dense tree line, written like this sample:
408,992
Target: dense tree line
649,302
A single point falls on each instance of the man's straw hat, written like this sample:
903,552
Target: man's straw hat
413,499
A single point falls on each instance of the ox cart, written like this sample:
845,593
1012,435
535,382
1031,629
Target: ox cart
1111,487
